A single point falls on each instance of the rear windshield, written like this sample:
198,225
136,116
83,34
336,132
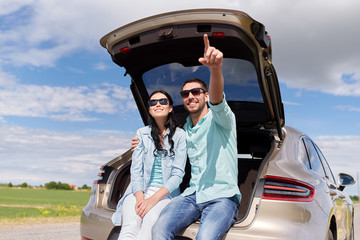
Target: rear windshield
241,83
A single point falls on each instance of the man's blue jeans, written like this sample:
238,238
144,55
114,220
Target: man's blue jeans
217,216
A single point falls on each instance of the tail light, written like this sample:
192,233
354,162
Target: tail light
218,34
125,50
100,175
286,189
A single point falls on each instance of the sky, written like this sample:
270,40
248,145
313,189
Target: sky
66,108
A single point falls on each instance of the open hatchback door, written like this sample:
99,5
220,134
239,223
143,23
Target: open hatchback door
162,51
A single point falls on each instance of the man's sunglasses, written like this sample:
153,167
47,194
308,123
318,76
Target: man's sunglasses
162,101
195,92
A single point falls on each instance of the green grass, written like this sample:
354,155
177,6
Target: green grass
23,212
22,203
19,212
43,197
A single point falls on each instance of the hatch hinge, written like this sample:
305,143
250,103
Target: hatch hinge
167,33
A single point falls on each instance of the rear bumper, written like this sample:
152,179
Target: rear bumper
274,220
278,220
96,223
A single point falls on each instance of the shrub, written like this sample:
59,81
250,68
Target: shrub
58,185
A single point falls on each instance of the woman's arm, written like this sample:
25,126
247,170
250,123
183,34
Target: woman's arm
137,166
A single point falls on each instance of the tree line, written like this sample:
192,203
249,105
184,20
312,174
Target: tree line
49,185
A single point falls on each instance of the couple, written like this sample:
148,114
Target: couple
158,162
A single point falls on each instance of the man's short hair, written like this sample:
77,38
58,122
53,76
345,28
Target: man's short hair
201,82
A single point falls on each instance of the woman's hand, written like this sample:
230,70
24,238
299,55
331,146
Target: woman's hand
145,206
139,196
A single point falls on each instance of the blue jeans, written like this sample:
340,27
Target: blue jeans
217,216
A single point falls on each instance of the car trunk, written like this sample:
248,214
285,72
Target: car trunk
253,147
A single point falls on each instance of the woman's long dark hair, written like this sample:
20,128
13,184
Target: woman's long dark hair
169,124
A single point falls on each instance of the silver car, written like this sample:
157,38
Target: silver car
288,189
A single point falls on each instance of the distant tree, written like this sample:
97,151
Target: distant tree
23,185
84,186
51,185
58,185
64,186
10,185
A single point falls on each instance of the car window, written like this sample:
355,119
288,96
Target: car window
241,83
327,169
315,163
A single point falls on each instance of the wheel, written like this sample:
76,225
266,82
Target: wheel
330,235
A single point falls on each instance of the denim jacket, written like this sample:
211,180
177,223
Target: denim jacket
173,165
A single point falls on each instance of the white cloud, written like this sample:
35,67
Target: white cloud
342,153
62,103
7,80
348,108
292,103
37,156
101,66
313,48
7,7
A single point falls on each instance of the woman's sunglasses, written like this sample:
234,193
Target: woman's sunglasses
162,101
195,92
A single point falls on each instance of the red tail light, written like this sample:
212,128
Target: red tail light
125,50
100,175
286,189
218,34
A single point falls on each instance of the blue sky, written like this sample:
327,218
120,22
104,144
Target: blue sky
66,109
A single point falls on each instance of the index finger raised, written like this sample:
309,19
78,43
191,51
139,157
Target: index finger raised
206,42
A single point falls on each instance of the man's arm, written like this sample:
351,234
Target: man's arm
213,58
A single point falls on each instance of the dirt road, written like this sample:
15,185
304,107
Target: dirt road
43,231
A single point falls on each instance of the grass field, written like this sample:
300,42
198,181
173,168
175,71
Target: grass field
40,203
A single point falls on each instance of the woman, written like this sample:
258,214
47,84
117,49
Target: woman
157,170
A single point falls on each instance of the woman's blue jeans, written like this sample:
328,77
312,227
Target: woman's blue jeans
216,217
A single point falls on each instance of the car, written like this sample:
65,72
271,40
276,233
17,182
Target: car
288,188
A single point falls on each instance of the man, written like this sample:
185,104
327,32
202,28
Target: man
213,194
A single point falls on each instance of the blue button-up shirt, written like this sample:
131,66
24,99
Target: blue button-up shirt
212,150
